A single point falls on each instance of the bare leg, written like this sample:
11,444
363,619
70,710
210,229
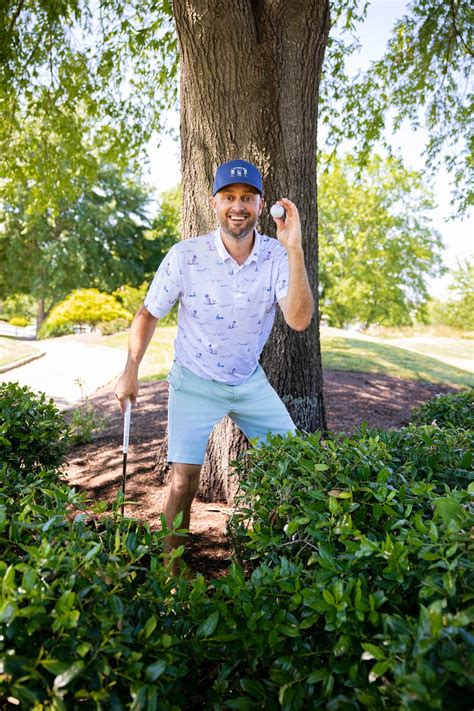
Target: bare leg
181,492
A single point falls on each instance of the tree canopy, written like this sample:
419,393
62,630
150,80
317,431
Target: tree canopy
423,78
100,240
377,247
89,81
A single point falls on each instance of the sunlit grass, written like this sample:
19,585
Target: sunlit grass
340,352
12,350
369,356
158,358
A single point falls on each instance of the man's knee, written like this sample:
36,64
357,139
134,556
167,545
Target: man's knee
185,478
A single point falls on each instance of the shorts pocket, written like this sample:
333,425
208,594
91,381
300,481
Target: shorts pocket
175,377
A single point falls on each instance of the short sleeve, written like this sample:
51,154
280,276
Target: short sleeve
281,288
166,287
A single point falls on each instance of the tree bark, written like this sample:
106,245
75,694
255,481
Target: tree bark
250,72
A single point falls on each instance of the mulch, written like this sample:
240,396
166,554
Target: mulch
351,398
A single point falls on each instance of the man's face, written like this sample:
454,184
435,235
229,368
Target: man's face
237,208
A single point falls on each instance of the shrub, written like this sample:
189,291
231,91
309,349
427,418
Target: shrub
48,330
87,306
359,592
32,430
19,321
371,536
84,422
455,410
131,297
107,328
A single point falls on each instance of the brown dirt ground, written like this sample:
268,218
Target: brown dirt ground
351,398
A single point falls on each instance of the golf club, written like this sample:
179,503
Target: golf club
126,436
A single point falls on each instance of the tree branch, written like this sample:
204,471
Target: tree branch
16,15
457,31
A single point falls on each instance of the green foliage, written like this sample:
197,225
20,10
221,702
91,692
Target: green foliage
17,305
32,430
166,228
458,311
376,246
87,306
48,330
370,535
116,326
422,78
131,297
96,239
358,594
447,411
69,104
84,422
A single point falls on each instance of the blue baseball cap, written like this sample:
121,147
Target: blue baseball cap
237,171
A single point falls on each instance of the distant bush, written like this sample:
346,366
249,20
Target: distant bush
48,330
19,321
131,297
32,430
456,410
107,328
87,307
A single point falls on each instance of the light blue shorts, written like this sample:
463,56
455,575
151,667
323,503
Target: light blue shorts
196,405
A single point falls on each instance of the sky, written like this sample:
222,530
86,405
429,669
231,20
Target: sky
458,235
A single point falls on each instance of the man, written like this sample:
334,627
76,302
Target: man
227,283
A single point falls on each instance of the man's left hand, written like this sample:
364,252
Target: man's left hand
289,229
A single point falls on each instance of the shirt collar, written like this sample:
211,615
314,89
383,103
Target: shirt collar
224,254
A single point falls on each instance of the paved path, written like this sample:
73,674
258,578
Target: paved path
70,370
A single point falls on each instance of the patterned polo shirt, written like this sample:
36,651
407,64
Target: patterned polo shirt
226,310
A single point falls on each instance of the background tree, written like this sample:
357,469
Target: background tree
377,245
423,78
457,310
97,240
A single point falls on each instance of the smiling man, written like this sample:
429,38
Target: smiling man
228,284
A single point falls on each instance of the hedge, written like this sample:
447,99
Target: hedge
357,591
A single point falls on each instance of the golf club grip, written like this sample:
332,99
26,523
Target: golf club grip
126,425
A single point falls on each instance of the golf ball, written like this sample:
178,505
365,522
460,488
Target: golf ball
277,211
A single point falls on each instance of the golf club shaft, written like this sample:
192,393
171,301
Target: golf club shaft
126,437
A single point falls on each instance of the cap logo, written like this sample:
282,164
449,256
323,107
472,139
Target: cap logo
238,172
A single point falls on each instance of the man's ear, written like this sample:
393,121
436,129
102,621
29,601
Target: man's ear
213,203
262,205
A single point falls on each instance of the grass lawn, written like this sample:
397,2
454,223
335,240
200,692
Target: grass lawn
12,350
454,351
373,356
159,356
340,352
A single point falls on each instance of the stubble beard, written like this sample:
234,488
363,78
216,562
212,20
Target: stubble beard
234,232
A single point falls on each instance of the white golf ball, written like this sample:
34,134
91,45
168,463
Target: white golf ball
277,211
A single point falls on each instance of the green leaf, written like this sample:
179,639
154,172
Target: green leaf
372,651
254,688
317,676
68,675
92,552
378,669
449,510
155,670
207,627
150,626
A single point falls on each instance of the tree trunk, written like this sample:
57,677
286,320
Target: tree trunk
40,314
250,72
